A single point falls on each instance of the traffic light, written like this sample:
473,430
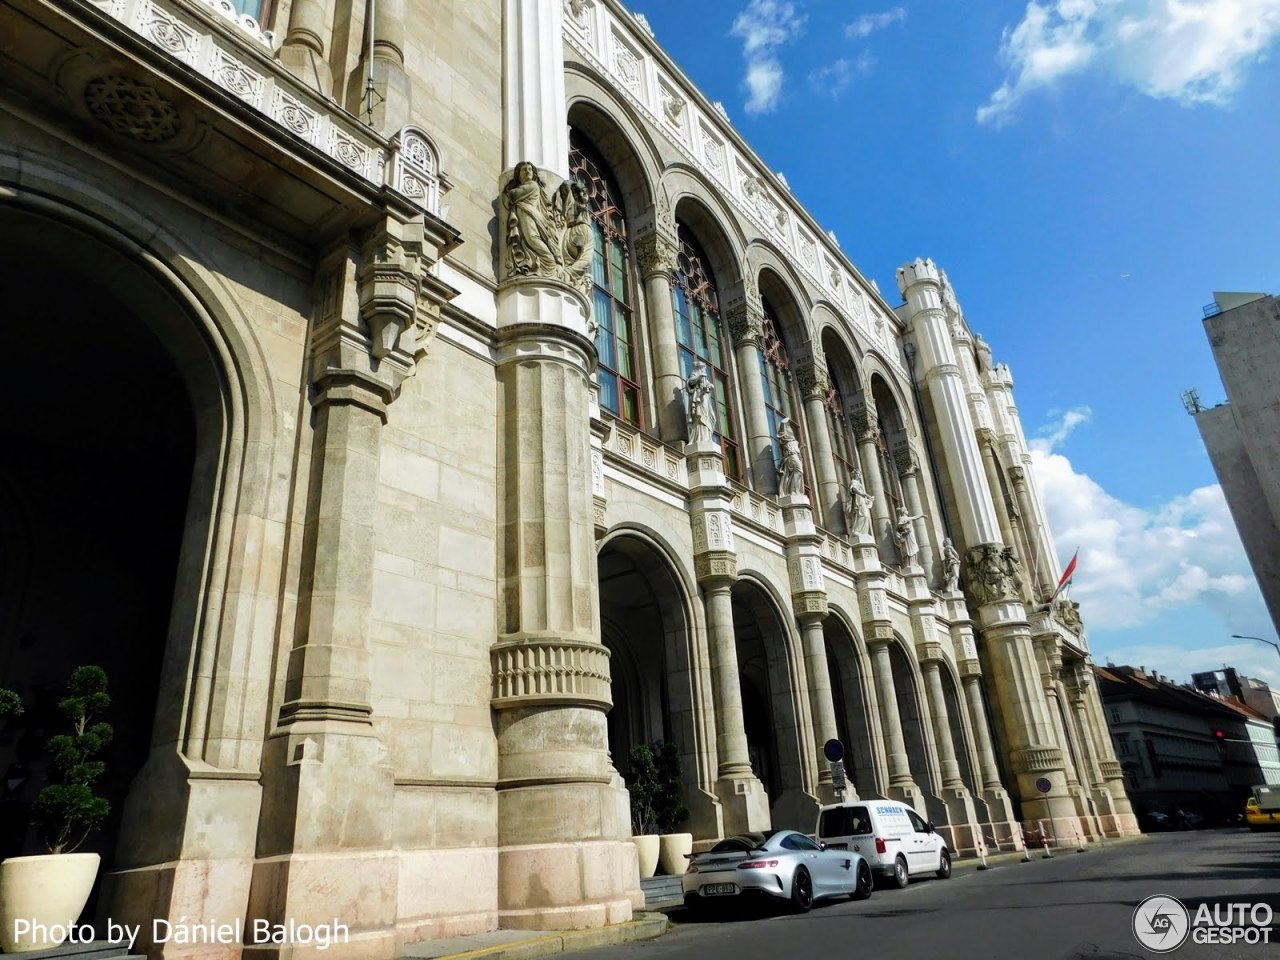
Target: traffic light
1220,737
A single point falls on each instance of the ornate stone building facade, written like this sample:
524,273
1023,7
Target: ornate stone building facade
448,402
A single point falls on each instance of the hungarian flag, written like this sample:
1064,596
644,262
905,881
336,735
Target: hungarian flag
1067,574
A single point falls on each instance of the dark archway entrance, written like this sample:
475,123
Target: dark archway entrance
853,718
99,444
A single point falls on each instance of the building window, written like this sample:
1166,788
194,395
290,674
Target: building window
841,431
700,336
1115,715
618,373
779,386
252,8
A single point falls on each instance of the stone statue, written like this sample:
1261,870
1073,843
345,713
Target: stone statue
791,469
904,532
986,574
698,404
983,351
950,567
1013,578
1068,612
857,507
579,244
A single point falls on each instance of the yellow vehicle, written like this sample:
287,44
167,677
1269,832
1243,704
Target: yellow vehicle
1260,818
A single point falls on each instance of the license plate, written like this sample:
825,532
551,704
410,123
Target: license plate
719,889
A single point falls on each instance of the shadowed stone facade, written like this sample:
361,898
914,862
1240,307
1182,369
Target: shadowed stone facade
373,476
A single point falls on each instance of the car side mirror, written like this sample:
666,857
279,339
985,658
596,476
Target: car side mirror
929,827
822,846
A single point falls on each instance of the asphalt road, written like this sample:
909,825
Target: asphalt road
1073,906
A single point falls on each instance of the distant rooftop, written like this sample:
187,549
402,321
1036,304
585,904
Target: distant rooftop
1229,301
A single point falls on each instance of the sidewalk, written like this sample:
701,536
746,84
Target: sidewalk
529,944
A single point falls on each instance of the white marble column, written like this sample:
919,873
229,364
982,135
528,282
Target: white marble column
869,455
992,574
890,720
656,253
814,386
746,328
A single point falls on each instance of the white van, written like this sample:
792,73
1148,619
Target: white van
895,840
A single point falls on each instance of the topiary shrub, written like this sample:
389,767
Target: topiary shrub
67,809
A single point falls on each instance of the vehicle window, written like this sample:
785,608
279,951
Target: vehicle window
844,822
804,843
737,845
917,824
791,842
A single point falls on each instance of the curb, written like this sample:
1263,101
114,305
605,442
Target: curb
647,927
1015,856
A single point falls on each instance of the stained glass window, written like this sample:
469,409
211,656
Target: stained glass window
700,335
843,442
779,386
611,273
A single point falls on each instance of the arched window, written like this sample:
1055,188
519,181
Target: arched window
700,335
843,442
779,386
611,274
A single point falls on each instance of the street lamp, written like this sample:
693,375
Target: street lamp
1241,636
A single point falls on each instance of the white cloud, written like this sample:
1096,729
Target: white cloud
1192,51
1250,658
869,23
763,26
1135,563
835,77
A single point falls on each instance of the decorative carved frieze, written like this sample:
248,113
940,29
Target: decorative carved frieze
1111,769
132,110
717,565
1038,759
809,605
547,228
993,574
541,671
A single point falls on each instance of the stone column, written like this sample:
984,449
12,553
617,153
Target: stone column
390,106
746,329
993,576
900,779
909,471
1122,822
814,387
868,453
1045,562
809,604
656,253
961,817
991,466
565,859
304,52
327,780
744,803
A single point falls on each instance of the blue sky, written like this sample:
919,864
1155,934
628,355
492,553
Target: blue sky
1088,172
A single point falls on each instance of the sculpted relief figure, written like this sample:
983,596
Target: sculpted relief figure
1013,578
857,506
983,351
698,408
791,469
950,567
547,235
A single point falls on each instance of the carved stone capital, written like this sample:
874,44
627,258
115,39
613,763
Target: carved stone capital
809,606
656,255
929,652
986,437
906,459
746,321
813,381
1111,769
864,426
1018,476
1038,760
716,566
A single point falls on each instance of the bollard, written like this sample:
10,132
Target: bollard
982,853
1044,838
1022,840
1080,845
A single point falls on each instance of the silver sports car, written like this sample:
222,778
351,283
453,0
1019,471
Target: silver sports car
786,866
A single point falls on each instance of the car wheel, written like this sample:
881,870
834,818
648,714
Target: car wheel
944,866
864,884
900,875
802,890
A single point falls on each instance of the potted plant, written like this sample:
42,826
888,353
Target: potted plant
670,811
52,889
642,784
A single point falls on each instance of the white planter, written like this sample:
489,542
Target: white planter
647,851
50,890
674,850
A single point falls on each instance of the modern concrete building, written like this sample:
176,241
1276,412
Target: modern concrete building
1185,749
1253,693
447,401
1242,435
